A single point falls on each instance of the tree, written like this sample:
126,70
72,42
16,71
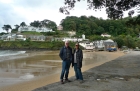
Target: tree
49,24
23,24
114,8
45,23
7,28
16,26
100,30
15,29
120,41
138,43
2,33
70,23
36,24
129,41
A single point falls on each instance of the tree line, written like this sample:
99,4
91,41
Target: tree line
124,31
96,26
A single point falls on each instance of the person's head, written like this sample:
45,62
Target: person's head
77,45
66,43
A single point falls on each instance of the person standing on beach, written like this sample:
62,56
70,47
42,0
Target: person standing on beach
77,62
66,56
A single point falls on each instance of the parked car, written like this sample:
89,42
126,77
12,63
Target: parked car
137,49
111,49
124,48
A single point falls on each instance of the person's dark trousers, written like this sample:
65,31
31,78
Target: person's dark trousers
78,72
65,69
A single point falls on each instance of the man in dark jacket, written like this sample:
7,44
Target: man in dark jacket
66,56
77,62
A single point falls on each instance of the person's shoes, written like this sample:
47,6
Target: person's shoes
62,82
76,79
81,81
67,80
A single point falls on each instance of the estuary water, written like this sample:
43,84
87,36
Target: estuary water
10,54
19,66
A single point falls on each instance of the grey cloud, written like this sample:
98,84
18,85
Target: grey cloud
9,16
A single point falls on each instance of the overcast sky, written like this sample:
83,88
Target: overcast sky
16,11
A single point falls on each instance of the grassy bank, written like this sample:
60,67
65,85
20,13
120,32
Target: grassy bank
33,45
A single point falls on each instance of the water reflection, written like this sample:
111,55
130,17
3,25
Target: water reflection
34,65
41,64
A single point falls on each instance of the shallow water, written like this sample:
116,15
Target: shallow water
27,66
30,65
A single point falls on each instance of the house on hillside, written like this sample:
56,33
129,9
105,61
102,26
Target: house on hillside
20,37
14,37
8,37
30,28
36,37
60,27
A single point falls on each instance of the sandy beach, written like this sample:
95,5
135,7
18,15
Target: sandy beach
120,74
91,60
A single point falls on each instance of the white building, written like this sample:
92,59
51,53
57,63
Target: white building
87,45
60,27
11,37
30,28
75,39
20,37
71,33
6,37
83,36
37,37
105,35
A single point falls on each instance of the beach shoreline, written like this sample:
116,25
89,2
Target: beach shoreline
101,58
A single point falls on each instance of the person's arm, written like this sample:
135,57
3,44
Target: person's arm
71,56
72,59
61,53
81,58
81,55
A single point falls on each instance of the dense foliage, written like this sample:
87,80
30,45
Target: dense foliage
94,26
123,31
45,23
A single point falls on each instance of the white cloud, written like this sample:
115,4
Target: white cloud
6,1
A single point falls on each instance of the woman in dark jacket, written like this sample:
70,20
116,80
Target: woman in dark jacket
77,62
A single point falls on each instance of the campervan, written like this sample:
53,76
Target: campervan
89,46
110,45
99,45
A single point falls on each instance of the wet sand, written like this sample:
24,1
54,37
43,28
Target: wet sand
91,60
